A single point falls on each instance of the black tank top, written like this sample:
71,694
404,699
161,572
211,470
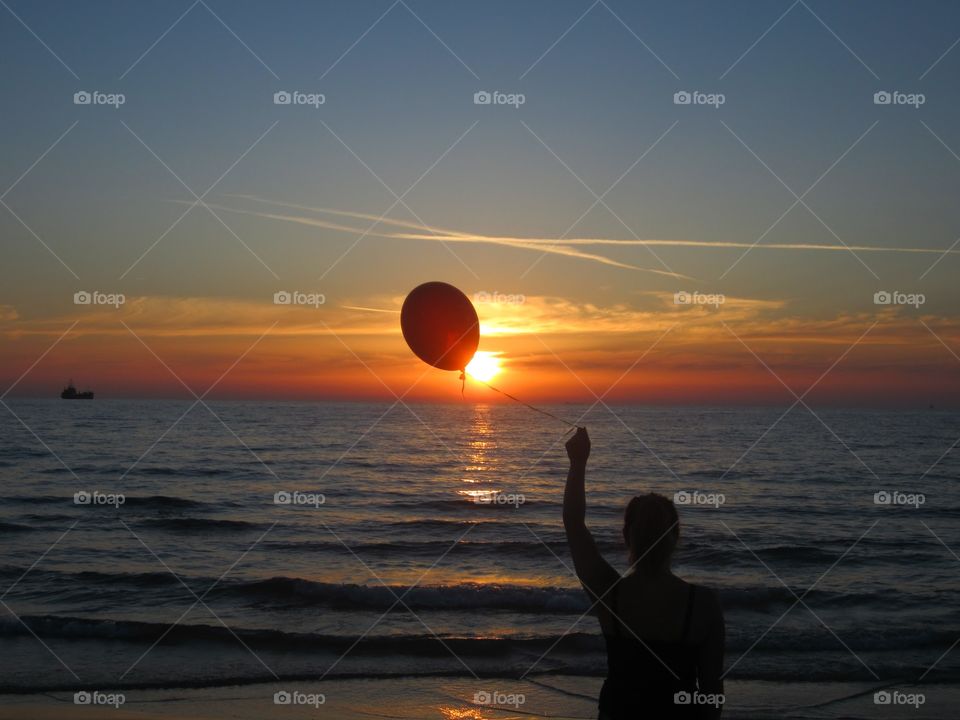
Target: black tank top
643,676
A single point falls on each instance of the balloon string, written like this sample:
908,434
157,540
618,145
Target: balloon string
535,409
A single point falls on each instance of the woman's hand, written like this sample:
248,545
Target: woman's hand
578,448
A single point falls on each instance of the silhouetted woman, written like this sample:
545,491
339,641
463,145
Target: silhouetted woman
664,636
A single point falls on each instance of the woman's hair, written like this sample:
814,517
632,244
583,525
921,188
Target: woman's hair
651,529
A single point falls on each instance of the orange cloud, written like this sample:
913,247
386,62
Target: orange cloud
552,349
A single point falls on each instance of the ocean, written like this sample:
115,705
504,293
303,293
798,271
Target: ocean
158,544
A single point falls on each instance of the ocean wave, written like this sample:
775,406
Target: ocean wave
469,597
295,592
197,524
467,504
83,469
425,644
19,452
165,501
564,647
154,501
6,527
433,548
692,555
47,517
37,499
93,577
299,592
459,598
425,523
184,472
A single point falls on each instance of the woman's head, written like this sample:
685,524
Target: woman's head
651,529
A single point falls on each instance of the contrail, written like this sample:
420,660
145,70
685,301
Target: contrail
448,235
682,243
349,213
520,243
569,247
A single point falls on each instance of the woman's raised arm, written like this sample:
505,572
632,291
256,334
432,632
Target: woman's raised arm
594,572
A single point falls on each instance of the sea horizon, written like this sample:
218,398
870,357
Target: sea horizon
494,401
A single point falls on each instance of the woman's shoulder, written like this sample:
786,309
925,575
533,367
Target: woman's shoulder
703,592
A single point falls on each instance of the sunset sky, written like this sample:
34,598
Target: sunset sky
573,219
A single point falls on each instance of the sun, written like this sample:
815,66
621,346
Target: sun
485,366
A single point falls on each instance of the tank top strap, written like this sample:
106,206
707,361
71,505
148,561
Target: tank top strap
686,621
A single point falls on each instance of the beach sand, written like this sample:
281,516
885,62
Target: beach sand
455,699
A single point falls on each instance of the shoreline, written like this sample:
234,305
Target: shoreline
562,697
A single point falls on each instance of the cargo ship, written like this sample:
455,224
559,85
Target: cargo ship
70,393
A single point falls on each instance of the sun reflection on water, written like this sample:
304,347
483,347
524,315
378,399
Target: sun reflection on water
479,446
461,713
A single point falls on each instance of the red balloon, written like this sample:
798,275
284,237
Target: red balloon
440,325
